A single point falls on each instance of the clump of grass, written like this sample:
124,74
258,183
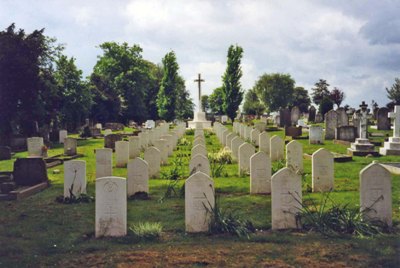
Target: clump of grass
189,132
227,221
173,176
147,230
277,165
337,219
184,142
223,156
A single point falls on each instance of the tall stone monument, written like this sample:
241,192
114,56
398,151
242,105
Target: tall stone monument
199,117
392,147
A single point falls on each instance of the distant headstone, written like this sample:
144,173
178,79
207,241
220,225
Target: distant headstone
285,118
356,123
134,147
199,149
111,207
150,124
74,178
260,126
260,174
264,142
103,162
199,163
316,135
286,199
5,153
346,133
229,139
121,153
294,156
224,119
98,126
295,115
276,148
342,118
331,122
199,201
254,134
62,135
246,150
311,114
138,176
319,118
322,171
35,146
114,126
153,158
376,193
70,146
392,146
29,171
236,142
107,132
293,131
383,121
162,145
111,139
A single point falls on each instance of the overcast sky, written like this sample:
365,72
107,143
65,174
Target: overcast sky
354,45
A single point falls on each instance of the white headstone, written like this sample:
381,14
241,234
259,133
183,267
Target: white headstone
70,145
199,149
246,150
236,142
276,148
74,178
396,121
134,147
162,145
199,163
316,135
103,162
121,153
107,132
322,171
111,206
260,174
150,124
376,193
254,134
199,195
294,156
153,158
35,146
138,176
286,199
62,134
264,142
229,139
224,119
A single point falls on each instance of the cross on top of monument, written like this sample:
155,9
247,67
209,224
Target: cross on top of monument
396,122
199,80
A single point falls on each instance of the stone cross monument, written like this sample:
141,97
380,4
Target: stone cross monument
396,122
392,146
199,80
363,121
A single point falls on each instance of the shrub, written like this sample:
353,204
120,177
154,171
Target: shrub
147,230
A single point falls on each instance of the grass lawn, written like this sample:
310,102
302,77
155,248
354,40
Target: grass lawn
38,231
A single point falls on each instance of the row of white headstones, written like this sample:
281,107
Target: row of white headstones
285,185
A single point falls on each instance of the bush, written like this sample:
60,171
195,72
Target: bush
147,230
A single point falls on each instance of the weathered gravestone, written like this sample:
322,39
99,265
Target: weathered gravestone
70,146
319,118
199,201
286,199
254,134
199,163
236,142
330,124
134,147
74,178
111,139
114,126
246,150
103,162
392,146
153,158
322,171
293,131
35,146
294,156
107,132
199,149
295,115
342,118
260,174
284,118
383,121
346,133
315,135
260,126
376,193
29,171
264,142
121,153
111,206
62,135
224,119
311,114
138,176
150,124
276,148
5,153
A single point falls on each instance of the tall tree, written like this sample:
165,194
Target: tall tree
204,103
252,104
166,98
185,106
301,99
320,91
216,100
393,93
275,90
233,93
337,96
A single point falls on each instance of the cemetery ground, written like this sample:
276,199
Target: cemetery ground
39,231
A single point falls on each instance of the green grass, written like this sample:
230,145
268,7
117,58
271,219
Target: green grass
38,231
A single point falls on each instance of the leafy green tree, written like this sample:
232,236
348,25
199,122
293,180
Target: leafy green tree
185,106
232,89
326,105
320,91
216,100
252,104
337,96
301,99
156,75
275,90
26,62
76,99
166,98
204,103
393,93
